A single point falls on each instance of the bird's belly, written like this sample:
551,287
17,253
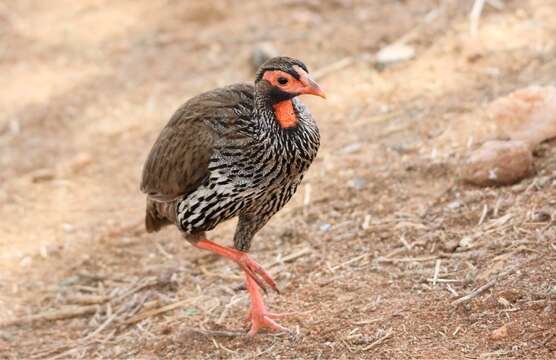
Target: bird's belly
212,204
205,208
273,198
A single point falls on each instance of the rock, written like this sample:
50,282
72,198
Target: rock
527,114
394,53
261,53
500,333
498,163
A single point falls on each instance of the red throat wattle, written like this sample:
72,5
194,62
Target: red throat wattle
285,114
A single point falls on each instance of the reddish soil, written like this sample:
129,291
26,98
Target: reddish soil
374,249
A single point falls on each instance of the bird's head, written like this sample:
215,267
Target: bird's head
283,78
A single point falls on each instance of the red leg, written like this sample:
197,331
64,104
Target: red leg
258,315
249,266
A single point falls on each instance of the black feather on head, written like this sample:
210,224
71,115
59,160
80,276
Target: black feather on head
282,63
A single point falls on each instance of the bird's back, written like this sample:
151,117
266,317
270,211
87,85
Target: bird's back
179,159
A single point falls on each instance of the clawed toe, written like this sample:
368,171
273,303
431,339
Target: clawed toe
263,321
256,272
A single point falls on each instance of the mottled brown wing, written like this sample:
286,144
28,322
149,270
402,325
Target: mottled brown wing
179,159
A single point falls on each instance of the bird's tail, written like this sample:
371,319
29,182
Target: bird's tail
158,215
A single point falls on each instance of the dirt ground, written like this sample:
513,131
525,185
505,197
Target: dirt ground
374,249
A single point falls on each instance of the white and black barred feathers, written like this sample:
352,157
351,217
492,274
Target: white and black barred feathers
251,176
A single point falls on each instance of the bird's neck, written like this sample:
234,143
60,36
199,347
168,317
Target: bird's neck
300,139
285,114
276,114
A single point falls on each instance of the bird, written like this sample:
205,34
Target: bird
235,151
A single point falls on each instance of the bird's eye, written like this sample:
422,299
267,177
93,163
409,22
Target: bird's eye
282,80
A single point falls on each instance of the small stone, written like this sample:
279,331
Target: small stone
450,245
325,227
454,205
542,181
403,148
395,53
69,281
541,216
465,242
500,333
261,53
68,228
358,183
498,163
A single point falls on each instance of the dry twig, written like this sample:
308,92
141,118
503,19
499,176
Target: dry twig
475,16
475,292
53,315
350,261
291,257
86,299
149,313
436,271
407,259
378,341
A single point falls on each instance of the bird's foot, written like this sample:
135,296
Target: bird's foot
262,319
258,316
256,272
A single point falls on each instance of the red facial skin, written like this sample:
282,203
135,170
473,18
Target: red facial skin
283,110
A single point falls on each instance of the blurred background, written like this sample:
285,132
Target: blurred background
381,239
